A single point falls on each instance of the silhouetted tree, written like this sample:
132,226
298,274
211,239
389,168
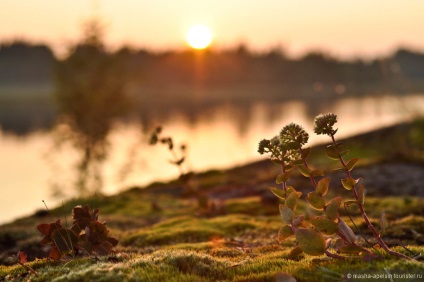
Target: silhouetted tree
25,63
90,95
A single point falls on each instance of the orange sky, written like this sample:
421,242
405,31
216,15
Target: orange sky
344,28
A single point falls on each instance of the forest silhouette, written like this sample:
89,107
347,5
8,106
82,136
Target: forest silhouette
191,81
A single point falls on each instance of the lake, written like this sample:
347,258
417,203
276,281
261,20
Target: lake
31,167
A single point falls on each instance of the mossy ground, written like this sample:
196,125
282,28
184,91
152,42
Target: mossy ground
165,236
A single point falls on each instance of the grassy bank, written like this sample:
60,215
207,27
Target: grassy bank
165,236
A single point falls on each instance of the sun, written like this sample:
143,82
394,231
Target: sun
199,37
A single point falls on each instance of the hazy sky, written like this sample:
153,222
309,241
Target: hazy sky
345,28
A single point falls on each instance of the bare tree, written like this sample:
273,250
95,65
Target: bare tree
90,96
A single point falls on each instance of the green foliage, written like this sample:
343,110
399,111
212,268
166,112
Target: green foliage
310,241
332,208
324,225
284,233
286,213
326,220
349,183
315,200
322,186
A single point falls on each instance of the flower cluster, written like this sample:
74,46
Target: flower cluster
293,136
284,147
273,146
324,124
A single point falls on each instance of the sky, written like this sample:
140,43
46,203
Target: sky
343,28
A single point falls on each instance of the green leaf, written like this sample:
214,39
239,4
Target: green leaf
304,170
310,241
315,200
297,162
288,167
325,225
342,153
284,233
298,221
339,144
349,183
350,202
294,253
282,178
346,231
361,194
305,152
332,210
290,189
64,239
338,169
286,214
322,186
291,200
279,192
317,172
351,163
331,153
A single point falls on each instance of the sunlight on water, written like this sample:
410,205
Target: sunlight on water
219,139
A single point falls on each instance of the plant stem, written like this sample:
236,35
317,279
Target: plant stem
331,255
362,210
314,183
283,170
338,233
29,268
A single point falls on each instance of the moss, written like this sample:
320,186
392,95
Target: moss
248,205
204,265
188,229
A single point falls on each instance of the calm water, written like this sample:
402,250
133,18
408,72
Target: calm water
220,138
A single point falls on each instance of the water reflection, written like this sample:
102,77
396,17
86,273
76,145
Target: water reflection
219,137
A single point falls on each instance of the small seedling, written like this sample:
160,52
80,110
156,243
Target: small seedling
314,236
178,158
22,259
206,206
87,235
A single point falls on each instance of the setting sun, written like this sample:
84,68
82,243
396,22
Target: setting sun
199,37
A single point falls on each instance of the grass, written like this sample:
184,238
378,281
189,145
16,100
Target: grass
188,265
164,237
225,247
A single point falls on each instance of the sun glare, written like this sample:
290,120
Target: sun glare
199,37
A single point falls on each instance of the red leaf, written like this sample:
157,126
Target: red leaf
55,254
82,218
113,241
22,257
46,240
44,228
47,229
98,232
103,248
